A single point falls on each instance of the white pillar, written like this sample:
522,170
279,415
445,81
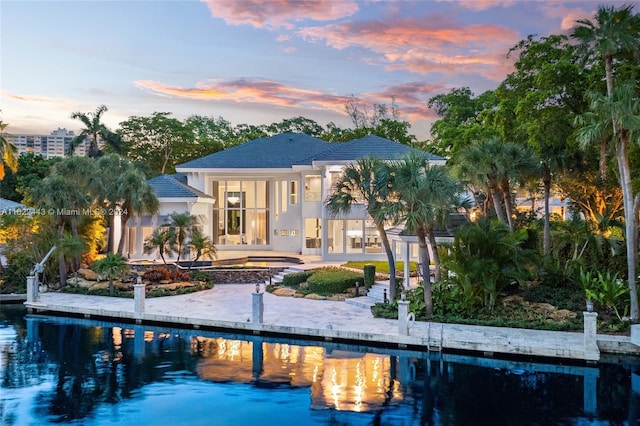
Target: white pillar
407,264
138,297
403,317
32,289
591,351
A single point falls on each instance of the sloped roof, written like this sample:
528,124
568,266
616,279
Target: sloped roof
454,221
369,145
280,151
8,205
296,149
168,186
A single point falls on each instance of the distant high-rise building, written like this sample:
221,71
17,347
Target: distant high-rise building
49,146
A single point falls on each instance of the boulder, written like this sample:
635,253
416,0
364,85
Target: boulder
81,282
284,291
88,274
314,296
562,315
542,308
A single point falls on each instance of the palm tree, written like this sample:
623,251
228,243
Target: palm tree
425,196
59,196
111,266
619,111
181,226
8,153
202,246
121,187
73,247
496,166
96,131
361,183
615,33
159,240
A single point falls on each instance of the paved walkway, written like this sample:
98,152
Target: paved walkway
229,306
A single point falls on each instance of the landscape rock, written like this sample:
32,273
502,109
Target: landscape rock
562,315
88,274
284,291
81,282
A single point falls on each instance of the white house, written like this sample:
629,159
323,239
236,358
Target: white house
268,195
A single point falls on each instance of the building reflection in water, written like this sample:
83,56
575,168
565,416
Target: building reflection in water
347,381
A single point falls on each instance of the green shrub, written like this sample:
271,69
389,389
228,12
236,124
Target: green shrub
15,276
296,278
369,275
385,310
331,280
202,276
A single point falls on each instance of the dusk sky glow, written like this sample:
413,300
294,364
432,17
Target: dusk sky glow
254,61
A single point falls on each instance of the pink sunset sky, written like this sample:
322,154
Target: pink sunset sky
253,61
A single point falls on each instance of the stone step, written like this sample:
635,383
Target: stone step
277,278
377,290
362,301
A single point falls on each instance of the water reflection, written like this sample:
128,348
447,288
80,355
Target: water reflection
57,370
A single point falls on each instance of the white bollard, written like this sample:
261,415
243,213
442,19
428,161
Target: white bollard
32,289
403,317
591,351
138,297
257,306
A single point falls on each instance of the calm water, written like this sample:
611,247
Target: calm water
83,372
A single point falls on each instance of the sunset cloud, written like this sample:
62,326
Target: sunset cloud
29,98
425,47
411,98
567,15
481,4
279,13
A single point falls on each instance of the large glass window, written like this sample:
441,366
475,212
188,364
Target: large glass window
241,212
313,232
312,190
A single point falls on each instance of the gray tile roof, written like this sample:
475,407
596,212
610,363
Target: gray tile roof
280,151
297,149
370,145
168,186
8,205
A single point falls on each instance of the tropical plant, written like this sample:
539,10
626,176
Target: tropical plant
363,182
202,246
161,241
181,227
8,153
95,131
111,266
485,256
73,247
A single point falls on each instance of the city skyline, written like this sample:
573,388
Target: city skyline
257,62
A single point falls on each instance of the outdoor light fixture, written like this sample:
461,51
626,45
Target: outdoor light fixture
403,296
258,288
139,280
589,305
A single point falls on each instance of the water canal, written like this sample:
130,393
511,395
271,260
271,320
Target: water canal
57,370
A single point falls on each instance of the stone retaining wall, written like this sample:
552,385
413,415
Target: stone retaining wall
242,276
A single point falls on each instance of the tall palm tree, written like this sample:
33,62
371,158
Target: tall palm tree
121,187
425,196
96,131
362,183
8,153
620,111
614,31
614,34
